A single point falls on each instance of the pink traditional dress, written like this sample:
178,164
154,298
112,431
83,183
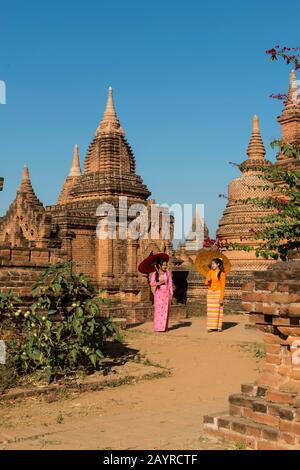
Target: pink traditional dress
162,299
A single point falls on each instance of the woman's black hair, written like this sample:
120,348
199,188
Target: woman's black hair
159,263
220,264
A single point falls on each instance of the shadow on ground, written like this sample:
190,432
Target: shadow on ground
229,324
117,354
180,325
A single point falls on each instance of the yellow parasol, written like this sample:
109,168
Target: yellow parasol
204,258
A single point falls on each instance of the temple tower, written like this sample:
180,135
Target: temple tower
26,222
239,220
75,172
188,249
109,190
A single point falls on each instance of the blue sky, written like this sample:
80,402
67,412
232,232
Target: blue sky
187,78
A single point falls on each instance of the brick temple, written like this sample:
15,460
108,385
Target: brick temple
31,235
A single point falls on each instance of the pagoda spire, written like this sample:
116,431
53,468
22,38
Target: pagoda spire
25,174
293,93
110,121
75,172
110,112
290,118
109,151
198,231
26,187
256,149
75,169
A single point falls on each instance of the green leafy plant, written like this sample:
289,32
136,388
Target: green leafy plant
63,329
10,312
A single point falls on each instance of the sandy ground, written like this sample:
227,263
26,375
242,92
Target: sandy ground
163,413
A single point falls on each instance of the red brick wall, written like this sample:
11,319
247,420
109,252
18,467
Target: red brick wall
21,267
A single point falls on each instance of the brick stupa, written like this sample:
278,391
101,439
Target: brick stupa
239,219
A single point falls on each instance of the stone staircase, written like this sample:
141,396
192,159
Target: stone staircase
260,418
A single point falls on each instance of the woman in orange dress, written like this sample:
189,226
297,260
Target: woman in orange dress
215,280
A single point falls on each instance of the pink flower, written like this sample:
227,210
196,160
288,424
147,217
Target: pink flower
278,96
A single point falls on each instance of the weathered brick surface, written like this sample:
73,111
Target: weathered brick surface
249,389
19,273
272,348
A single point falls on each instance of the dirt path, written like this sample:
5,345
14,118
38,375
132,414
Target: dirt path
164,413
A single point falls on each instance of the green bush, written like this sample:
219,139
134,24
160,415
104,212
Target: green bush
9,313
62,330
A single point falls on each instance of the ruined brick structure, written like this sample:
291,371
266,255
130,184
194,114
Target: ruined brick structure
266,414
67,230
20,267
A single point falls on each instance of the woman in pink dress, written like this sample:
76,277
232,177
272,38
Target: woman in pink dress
161,281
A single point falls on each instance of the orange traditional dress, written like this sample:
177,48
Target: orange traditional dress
215,294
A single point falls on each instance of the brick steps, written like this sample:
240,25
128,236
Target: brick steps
259,418
267,415
252,435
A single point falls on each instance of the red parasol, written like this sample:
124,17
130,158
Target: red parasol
148,265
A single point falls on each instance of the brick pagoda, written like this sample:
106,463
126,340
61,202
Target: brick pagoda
239,218
67,230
